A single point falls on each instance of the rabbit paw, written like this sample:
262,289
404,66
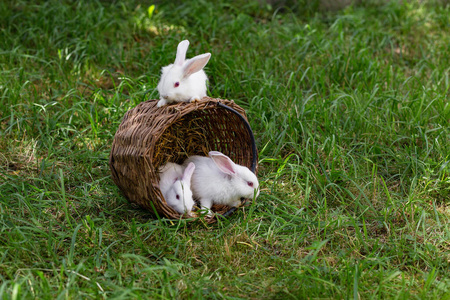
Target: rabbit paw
194,99
161,102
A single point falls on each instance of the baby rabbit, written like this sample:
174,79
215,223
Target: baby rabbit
184,80
218,180
175,185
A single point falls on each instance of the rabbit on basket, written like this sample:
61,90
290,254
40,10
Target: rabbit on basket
184,80
175,185
218,180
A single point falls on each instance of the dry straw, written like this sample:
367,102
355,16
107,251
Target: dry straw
150,136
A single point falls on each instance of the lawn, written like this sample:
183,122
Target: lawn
350,110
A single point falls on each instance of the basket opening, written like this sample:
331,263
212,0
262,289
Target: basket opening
201,131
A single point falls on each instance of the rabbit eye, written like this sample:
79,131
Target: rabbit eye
249,183
176,84
178,197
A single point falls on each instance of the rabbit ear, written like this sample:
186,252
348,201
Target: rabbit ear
181,52
189,171
223,162
195,64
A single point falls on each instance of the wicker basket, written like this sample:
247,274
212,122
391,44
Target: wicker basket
149,137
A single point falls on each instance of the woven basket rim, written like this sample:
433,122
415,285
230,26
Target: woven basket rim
250,132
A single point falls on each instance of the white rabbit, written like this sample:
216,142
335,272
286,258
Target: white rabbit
184,80
218,180
175,185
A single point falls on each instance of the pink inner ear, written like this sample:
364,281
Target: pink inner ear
195,64
224,163
189,171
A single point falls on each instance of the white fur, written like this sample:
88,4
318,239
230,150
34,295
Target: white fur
218,180
176,180
188,73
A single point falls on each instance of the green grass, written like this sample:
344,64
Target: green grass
350,111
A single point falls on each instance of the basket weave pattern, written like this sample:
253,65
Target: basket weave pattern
150,136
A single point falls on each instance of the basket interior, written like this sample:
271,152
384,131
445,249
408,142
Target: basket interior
202,131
